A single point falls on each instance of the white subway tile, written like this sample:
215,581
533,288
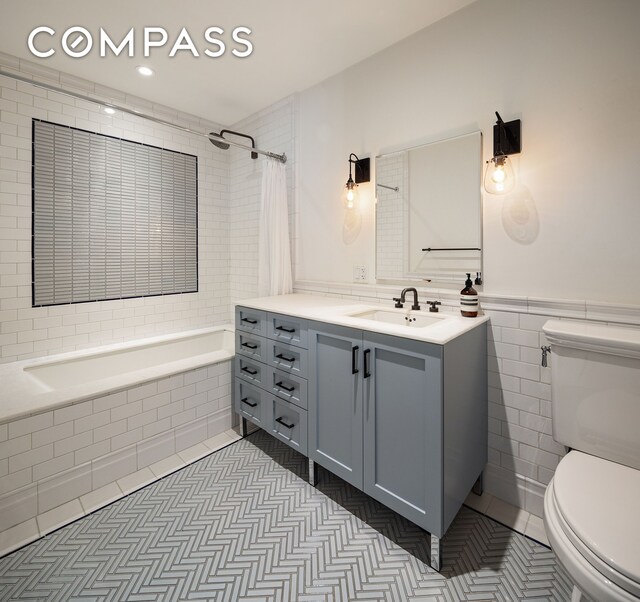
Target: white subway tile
126,439
73,412
109,430
538,456
64,487
54,466
125,411
521,370
15,446
15,480
91,422
110,401
521,402
64,446
97,450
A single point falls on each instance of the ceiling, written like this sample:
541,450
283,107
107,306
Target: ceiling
296,44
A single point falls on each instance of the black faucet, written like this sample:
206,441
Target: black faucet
403,294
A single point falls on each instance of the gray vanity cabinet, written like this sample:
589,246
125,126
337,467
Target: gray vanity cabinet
403,420
402,424
335,400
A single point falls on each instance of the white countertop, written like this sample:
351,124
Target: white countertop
338,311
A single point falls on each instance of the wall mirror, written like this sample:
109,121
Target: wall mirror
429,211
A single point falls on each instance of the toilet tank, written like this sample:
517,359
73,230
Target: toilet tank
595,389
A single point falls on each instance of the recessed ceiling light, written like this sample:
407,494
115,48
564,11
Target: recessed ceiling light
109,110
146,71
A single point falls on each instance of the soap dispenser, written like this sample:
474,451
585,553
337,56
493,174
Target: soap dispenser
469,299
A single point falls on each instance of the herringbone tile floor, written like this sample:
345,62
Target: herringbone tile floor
242,524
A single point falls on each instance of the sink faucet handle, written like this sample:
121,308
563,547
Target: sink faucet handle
399,303
434,305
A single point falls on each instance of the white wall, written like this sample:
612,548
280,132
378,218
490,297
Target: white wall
31,332
568,69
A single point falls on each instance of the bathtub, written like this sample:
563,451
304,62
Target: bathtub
37,385
108,419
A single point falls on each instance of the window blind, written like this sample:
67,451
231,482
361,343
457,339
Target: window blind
112,218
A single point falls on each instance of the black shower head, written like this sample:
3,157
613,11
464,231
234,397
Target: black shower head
224,146
217,142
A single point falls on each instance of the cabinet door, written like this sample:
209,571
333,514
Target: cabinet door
335,400
403,427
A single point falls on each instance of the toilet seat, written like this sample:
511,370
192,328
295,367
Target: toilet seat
603,554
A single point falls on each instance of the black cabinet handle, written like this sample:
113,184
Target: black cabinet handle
246,400
367,354
283,329
285,358
249,320
250,345
249,371
283,386
283,423
354,360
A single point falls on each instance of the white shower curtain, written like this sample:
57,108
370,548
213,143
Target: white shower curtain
274,263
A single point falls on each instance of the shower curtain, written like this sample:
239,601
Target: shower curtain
274,263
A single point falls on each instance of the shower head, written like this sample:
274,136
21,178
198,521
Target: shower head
225,146
217,142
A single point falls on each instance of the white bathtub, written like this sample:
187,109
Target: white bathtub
33,386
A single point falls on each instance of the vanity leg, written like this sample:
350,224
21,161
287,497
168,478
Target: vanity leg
243,427
478,486
313,473
436,552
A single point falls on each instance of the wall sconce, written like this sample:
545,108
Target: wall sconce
350,195
499,177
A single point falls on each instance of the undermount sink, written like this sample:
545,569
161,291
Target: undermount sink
399,318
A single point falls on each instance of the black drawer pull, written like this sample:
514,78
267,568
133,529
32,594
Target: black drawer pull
283,386
283,423
285,358
246,400
249,371
249,320
250,345
367,354
354,360
283,329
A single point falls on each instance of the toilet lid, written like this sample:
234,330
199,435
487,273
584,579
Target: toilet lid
600,502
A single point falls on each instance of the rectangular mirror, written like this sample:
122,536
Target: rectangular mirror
429,211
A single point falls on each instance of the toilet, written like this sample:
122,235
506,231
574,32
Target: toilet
592,504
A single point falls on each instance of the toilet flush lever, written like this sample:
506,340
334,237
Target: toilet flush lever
545,350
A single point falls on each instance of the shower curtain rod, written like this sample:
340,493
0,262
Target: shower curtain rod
37,84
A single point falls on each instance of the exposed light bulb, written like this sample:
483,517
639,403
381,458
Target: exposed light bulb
350,195
499,177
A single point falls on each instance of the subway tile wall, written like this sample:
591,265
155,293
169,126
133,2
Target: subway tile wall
273,130
30,332
391,213
50,458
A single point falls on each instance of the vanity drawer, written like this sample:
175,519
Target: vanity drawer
250,370
288,423
287,357
287,386
251,320
287,329
249,402
251,345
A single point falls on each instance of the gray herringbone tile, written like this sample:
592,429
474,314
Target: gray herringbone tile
242,524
